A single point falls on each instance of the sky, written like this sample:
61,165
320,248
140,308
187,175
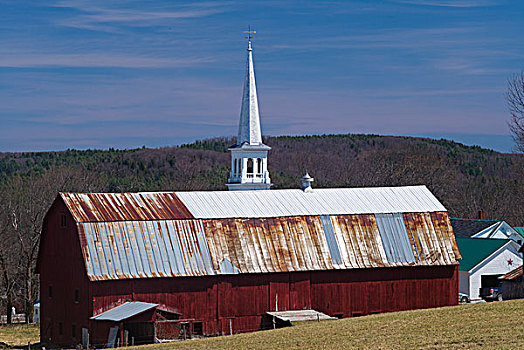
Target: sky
123,74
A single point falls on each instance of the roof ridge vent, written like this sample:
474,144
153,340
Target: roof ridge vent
306,183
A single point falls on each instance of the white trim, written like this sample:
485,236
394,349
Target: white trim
495,253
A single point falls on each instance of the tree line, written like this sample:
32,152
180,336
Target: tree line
465,179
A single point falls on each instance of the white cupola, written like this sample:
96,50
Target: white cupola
306,181
249,154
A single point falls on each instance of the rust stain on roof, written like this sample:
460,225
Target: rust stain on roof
513,274
106,207
171,248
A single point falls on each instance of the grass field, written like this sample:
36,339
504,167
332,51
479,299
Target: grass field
20,334
497,325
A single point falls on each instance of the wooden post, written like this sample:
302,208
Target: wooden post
132,341
274,322
126,338
230,326
28,345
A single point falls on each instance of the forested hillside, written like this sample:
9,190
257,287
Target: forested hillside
465,179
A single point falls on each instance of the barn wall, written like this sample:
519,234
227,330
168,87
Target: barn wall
513,289
61,267
246,298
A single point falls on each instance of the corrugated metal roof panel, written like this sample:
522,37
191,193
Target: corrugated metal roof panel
95,207
395,238
138,249
513,274
171,248
98,207
124,311
333,201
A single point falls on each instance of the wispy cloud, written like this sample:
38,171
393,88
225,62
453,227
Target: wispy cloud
108,16
450,3
92,60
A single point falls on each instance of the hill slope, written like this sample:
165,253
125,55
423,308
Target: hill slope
497,325
466,179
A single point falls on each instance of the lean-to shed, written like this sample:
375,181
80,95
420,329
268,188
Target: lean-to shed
217,262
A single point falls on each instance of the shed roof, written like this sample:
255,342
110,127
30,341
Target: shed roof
476,250
103,207
513,274
124,311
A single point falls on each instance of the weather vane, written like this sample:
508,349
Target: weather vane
249,33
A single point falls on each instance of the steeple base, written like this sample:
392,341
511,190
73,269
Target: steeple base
248,186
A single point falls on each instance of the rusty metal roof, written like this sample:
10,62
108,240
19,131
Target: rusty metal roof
95,207
171,248
105,207
513,274
170,234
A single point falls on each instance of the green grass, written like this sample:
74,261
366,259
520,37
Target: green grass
19,334
498,325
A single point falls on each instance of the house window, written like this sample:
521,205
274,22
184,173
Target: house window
259,165
50,291
250,166
63,220
76,296
60,328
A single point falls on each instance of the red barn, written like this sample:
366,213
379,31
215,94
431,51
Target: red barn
211,263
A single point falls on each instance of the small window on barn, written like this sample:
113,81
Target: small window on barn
50,291
73,331
198,328
63,220
60,328
77,299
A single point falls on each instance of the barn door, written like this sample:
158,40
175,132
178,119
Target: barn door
279,292
299,291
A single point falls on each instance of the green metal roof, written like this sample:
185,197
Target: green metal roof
520,230
475,250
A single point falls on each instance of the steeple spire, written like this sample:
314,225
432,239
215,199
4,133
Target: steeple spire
249,126
249,154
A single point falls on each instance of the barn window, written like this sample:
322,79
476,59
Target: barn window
50,291
250,166
73,331
76,296
63,220
198,328
60,328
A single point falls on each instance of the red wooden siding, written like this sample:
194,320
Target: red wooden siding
246,298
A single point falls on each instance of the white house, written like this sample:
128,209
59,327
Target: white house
484,261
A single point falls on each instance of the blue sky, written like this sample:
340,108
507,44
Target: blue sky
99,74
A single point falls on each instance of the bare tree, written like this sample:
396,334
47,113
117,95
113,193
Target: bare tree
515,98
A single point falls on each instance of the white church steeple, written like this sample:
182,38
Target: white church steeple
249,155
